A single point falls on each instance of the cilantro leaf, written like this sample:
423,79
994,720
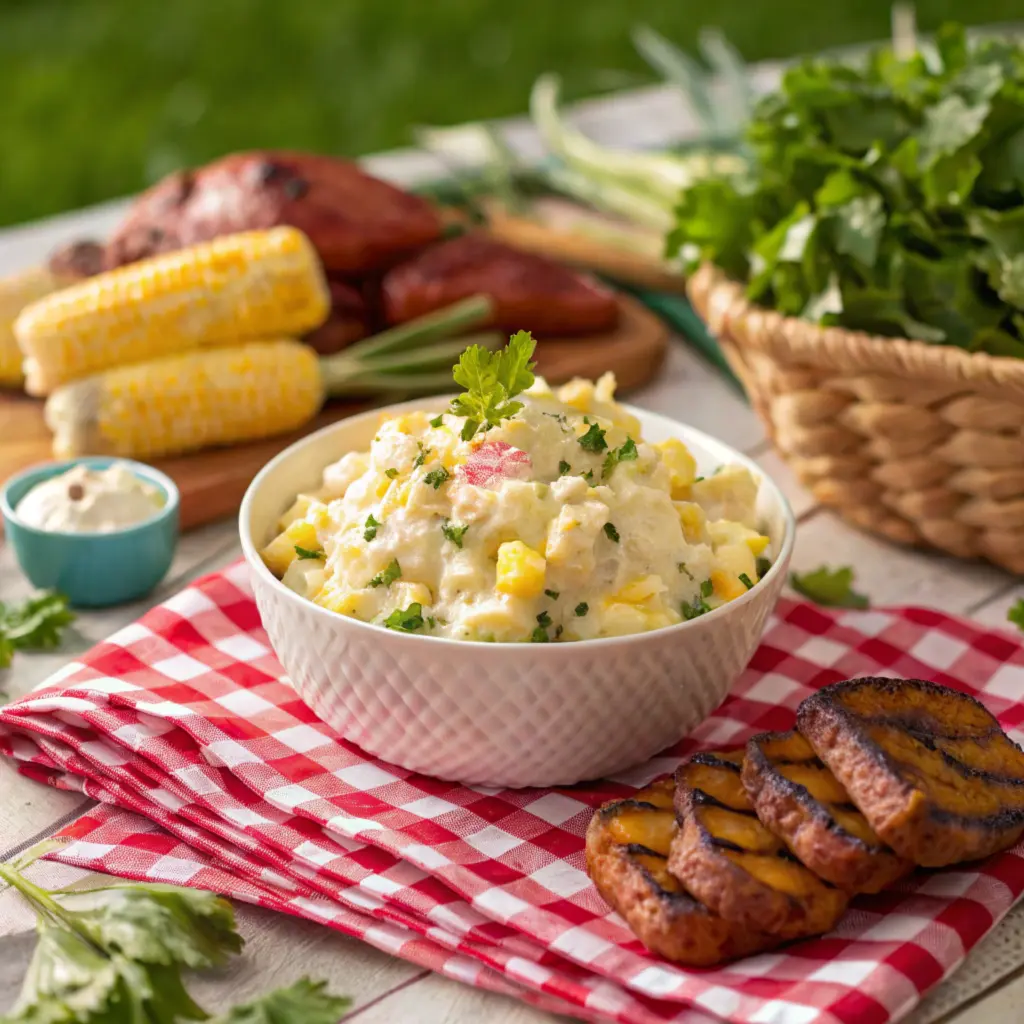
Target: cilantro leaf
372,526
490,382
387,576
626,452
593,440
611,533
886,197
303,553
406,620
34,625
454,533
436,477
305,1002
1016,613
829,587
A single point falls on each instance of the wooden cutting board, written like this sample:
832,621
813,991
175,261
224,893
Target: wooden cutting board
212,482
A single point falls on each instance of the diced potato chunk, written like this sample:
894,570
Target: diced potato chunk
297,510
681,465
694,522
280,552
722,531
521,570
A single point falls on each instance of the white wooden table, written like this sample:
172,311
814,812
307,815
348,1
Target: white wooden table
988,988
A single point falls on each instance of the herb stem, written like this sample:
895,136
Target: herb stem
43,903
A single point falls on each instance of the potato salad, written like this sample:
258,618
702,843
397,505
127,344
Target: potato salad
557,522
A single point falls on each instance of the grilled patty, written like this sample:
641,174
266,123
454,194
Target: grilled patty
930,768
627,847
726,858
798,799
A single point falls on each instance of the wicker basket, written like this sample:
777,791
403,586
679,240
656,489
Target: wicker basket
921,444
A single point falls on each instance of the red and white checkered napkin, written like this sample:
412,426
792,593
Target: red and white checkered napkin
213,773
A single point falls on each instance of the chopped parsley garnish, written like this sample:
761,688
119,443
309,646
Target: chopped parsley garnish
1016,613
406,620
560,416
454,533
588,476
491,380
431,622
697,479
436,477
371,527
553,594
391,473
706,588
625,453
593,440
581,609
422,457
682,568
746,581
438,420
544,619
611,533
830,587
763,565
540,636
306,553
563,468
698,607
388,576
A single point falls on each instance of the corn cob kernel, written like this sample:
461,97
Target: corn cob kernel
16,292
184,402
234,289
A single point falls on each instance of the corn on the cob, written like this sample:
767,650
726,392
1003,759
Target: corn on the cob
16,292
225,395
183,402
235,289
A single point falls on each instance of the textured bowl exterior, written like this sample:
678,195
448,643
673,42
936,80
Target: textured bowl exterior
503,714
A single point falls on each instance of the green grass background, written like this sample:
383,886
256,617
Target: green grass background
100,97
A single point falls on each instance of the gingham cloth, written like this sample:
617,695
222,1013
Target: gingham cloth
212,773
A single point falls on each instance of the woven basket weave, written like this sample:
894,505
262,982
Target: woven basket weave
921,444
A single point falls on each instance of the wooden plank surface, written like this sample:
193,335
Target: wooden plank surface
988,989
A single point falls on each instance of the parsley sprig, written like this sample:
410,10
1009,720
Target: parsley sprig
406,620
35,624
593,440
453,533
829,587
302,553
387,576
491,380
625,453
117,953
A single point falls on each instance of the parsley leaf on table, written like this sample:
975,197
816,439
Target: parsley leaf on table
491,380
829,587
117,953
34,625
1016,613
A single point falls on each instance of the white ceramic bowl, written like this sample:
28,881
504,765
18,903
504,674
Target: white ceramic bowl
504,714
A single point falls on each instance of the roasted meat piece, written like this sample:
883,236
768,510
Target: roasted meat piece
627,845
801,801
357,223
726,858
349,320
530,292
928,767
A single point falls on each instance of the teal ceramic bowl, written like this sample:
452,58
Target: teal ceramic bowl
94,570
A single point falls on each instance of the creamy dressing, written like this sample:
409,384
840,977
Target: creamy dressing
558,524
85,500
